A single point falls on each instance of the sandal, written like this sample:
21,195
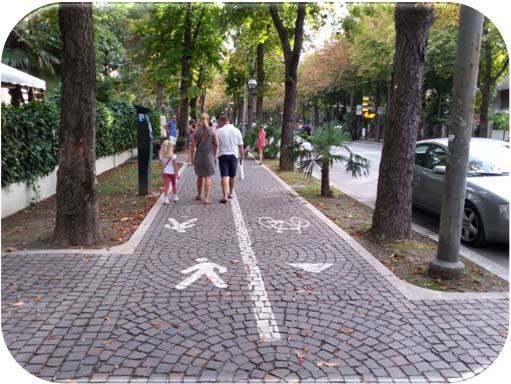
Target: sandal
223,201
231,195
207,202
197,198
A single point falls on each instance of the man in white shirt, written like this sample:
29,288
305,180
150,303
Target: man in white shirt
230,150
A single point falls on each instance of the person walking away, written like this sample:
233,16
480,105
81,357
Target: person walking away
172,130
261,143
169,172
191,130
202,154
230,151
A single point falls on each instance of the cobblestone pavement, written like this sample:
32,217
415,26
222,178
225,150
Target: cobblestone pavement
250,316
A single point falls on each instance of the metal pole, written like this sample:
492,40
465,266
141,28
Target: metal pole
446,264
249,109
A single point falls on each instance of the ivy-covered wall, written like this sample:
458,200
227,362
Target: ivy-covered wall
30,137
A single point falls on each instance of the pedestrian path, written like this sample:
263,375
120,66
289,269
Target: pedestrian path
258,289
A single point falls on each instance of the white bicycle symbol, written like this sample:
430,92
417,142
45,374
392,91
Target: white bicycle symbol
294,224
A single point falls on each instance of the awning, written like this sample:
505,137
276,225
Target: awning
13,76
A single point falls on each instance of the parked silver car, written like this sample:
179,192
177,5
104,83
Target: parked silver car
486,214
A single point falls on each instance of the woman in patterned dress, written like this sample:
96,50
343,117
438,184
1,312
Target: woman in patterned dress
202,154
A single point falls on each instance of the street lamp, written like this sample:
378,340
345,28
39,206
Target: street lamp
252,83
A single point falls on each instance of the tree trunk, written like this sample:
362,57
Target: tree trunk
315,114
186,70
393,211
325,180
292,59
193,108
159,97
203,100
260,82
485,89
77,220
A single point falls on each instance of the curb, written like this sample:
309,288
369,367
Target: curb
474,257
410,291
126,248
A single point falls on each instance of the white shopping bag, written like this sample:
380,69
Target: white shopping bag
242,172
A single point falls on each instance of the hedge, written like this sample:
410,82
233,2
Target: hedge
30,137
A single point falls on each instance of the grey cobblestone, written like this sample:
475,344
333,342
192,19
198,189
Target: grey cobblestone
347,316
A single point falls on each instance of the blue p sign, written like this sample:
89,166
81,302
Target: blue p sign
140,117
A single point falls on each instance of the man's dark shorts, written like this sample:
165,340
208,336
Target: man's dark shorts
227,164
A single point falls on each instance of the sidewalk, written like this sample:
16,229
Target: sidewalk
259,289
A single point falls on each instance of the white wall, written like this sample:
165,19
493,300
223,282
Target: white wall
17,196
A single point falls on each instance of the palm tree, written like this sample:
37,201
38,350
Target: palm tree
321,150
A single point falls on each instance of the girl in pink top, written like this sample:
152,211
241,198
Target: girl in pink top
261,143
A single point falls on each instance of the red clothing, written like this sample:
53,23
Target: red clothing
167,180
261,139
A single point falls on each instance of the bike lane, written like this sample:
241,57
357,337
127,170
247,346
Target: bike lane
340,318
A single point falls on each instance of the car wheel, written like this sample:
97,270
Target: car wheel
472,232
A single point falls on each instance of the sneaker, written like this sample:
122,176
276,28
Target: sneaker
166,202
176,198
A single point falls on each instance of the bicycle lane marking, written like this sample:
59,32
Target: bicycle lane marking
265,319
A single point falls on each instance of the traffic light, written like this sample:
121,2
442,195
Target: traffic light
368,107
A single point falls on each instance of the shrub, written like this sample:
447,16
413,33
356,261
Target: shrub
29,141
30,137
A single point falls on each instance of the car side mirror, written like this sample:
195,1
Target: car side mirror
439,169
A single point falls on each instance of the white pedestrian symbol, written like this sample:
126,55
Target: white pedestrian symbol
294,224
180,227
205,268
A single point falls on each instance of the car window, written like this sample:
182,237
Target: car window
436,155
420,154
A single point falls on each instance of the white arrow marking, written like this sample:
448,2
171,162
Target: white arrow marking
311,267
205,268
180,227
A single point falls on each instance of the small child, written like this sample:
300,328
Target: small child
169,172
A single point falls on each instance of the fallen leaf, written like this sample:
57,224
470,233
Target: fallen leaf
326,364
503,333
158,325
175,325
125,219
87,258
106,317
293,382
51,337
347,331
306,348
71,381
107,341
262,338
37,299
19,229
10,249
235,261
19,304
300,356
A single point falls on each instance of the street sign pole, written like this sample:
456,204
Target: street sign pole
447,263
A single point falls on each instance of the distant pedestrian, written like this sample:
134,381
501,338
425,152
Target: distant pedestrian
169,172
172,130
191,130
230,151
202,154
261,143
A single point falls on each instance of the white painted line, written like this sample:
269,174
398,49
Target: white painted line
205,268
265,319
312,267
